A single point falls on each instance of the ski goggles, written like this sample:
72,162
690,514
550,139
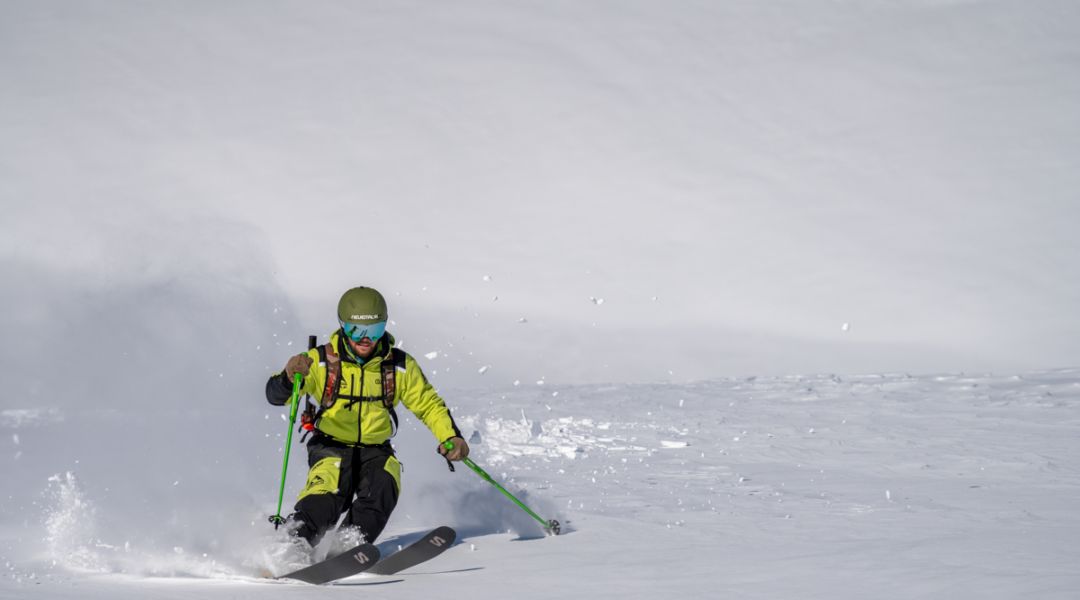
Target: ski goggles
359,331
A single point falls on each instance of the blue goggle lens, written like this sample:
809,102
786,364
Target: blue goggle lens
359,331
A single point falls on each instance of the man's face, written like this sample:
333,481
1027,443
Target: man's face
364,348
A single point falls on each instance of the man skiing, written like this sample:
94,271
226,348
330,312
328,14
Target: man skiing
358,379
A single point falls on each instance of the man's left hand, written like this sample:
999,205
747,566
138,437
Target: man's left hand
460,451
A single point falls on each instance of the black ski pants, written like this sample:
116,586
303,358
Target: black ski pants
361,481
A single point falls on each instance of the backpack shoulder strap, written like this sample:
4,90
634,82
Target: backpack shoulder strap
330,359
397,356
389,379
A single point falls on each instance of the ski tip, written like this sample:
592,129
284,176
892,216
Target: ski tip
446,531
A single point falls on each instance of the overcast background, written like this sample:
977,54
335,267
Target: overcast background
660,191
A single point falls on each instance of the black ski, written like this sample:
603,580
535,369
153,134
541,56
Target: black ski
434,543
346,564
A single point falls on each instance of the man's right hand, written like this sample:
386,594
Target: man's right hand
301,363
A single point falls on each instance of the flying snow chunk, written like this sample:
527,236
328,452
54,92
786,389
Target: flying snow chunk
487,277
432,355
483,369
596,301
845,327
523,320
673,444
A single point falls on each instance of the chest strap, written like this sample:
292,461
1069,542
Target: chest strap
332,390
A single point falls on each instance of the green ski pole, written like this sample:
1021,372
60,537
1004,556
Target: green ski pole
551,526
298,380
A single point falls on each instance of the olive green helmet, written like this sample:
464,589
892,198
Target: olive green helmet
361,306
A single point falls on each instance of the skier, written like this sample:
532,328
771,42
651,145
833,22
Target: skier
358,379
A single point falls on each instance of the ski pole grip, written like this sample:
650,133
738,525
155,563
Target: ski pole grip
298,381
449,446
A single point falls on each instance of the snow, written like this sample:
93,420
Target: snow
909,486
881,192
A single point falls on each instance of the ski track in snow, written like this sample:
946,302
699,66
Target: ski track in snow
888,485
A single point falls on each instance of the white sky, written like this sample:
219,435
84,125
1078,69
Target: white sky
767,173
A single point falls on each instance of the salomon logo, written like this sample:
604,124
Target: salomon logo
361,558
437,542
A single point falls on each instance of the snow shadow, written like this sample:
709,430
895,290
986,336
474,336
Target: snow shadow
475,509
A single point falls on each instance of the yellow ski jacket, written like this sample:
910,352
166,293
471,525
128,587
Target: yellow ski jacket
359,414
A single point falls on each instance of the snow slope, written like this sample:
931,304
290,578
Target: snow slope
885,486
602,218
